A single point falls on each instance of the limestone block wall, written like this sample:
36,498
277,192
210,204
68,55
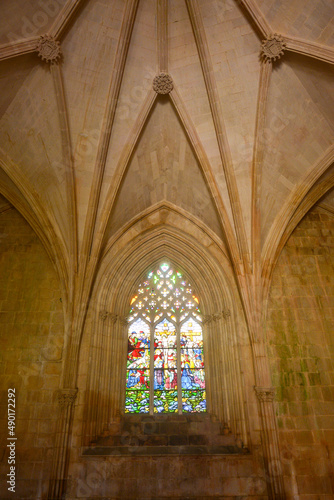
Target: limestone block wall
300,334
31,354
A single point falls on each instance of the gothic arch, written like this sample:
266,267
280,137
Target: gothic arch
124,265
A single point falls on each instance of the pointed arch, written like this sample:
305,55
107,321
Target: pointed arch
123,266
301,199
22,196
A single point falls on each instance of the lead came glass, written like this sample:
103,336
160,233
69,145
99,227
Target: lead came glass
165,361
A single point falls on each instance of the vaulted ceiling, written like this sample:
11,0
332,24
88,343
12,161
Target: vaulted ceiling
245,147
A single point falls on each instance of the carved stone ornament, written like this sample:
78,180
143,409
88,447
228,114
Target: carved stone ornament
48,49
273,48
66,397
265,394
113,317
163,84
226,313
104,315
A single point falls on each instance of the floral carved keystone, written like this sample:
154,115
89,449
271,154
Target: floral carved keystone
163,84
273,48
48,49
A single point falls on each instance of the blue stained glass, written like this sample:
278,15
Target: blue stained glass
192,379
138,379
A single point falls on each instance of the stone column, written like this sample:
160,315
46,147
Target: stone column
57,483
266,396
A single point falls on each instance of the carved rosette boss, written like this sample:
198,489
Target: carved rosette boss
163,83
273,48
48,48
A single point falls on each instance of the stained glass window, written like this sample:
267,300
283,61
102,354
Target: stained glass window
165,362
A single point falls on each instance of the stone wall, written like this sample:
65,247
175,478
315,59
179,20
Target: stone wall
31,352
300,334
167,456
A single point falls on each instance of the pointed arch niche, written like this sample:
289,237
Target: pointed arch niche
140,248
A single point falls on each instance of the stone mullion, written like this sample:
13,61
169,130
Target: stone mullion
178,369
273,464
66,398
151,408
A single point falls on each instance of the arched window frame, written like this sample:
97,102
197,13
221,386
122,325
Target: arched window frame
180,318
116,284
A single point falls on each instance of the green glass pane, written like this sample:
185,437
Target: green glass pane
137,401
165,401
193,401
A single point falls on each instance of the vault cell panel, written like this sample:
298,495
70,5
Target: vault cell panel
163,167
234,48
89,50
140,69
30,136
185,68
297,134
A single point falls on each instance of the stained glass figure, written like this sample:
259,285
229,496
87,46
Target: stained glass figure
165,362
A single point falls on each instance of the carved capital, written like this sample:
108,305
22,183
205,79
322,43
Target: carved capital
273,48
117,317
66,397
226,313
163,83
113,317
265,394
